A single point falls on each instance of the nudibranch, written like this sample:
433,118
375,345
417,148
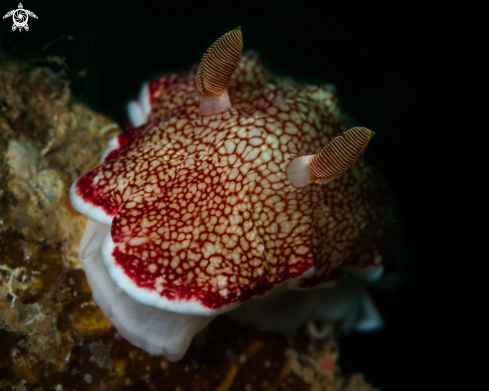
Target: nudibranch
233,184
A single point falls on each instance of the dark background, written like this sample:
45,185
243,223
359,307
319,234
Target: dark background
408,71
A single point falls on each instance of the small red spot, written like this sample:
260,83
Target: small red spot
327,364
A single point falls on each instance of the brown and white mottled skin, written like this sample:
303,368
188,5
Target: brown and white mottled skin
202,208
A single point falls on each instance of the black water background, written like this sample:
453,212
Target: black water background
408,71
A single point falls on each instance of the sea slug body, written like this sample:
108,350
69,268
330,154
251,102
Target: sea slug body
233,184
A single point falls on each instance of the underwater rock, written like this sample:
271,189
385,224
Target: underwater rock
45,304
52,335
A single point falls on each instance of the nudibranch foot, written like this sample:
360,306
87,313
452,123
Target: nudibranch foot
285,310
156,331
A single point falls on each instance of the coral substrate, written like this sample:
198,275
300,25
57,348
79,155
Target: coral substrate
52,335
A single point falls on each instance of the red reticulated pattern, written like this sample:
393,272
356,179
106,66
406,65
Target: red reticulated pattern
203,208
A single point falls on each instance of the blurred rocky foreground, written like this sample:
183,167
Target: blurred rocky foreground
52,335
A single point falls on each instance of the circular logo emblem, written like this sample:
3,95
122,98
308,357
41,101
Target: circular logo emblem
20,17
